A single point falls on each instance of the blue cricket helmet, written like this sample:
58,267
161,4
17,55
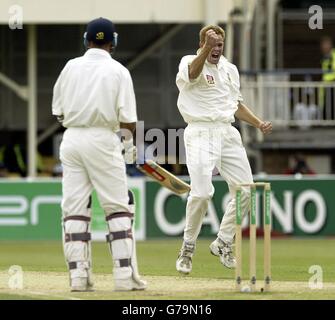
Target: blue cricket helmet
100,31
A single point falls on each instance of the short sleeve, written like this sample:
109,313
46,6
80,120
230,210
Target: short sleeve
240,97
57,97
236,84
57,105
183,72
126,101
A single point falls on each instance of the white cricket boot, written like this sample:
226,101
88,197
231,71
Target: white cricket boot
184,261
81,285
129,285
224,251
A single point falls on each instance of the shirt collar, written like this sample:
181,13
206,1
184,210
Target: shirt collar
97,53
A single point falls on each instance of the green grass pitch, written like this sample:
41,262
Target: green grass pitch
45,275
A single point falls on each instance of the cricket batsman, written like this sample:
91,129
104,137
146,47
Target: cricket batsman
94,98
209,99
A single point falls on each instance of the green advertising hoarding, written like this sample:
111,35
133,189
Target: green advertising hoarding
299,207
31,209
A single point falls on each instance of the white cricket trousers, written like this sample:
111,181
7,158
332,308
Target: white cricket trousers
92,158
209,145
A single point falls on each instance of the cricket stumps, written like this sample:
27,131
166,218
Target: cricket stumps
252,235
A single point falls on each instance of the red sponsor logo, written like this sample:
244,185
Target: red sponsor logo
210,79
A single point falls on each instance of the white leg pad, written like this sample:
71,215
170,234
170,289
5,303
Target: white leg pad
81,270
77,245
136,275
121,243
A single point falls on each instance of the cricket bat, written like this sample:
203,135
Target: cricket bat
153,170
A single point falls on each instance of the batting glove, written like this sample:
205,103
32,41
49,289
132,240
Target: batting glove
129,151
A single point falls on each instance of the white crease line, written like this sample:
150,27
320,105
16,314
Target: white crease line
52,295
23,293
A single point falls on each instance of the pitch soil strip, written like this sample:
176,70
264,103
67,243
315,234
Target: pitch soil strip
55,285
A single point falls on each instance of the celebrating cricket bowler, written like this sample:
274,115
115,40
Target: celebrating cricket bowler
209,100
93,98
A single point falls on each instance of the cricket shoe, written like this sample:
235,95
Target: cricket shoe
224,251
184,261
129,284
81,284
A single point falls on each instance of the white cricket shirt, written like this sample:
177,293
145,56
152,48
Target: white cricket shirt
213,96
94,90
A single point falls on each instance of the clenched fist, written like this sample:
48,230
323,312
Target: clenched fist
266,127
211,39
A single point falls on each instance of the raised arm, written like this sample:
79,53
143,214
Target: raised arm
197,64
245,114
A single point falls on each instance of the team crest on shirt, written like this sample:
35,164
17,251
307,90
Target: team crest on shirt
210,79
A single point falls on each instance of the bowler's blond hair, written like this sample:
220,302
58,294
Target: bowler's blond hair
218,30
